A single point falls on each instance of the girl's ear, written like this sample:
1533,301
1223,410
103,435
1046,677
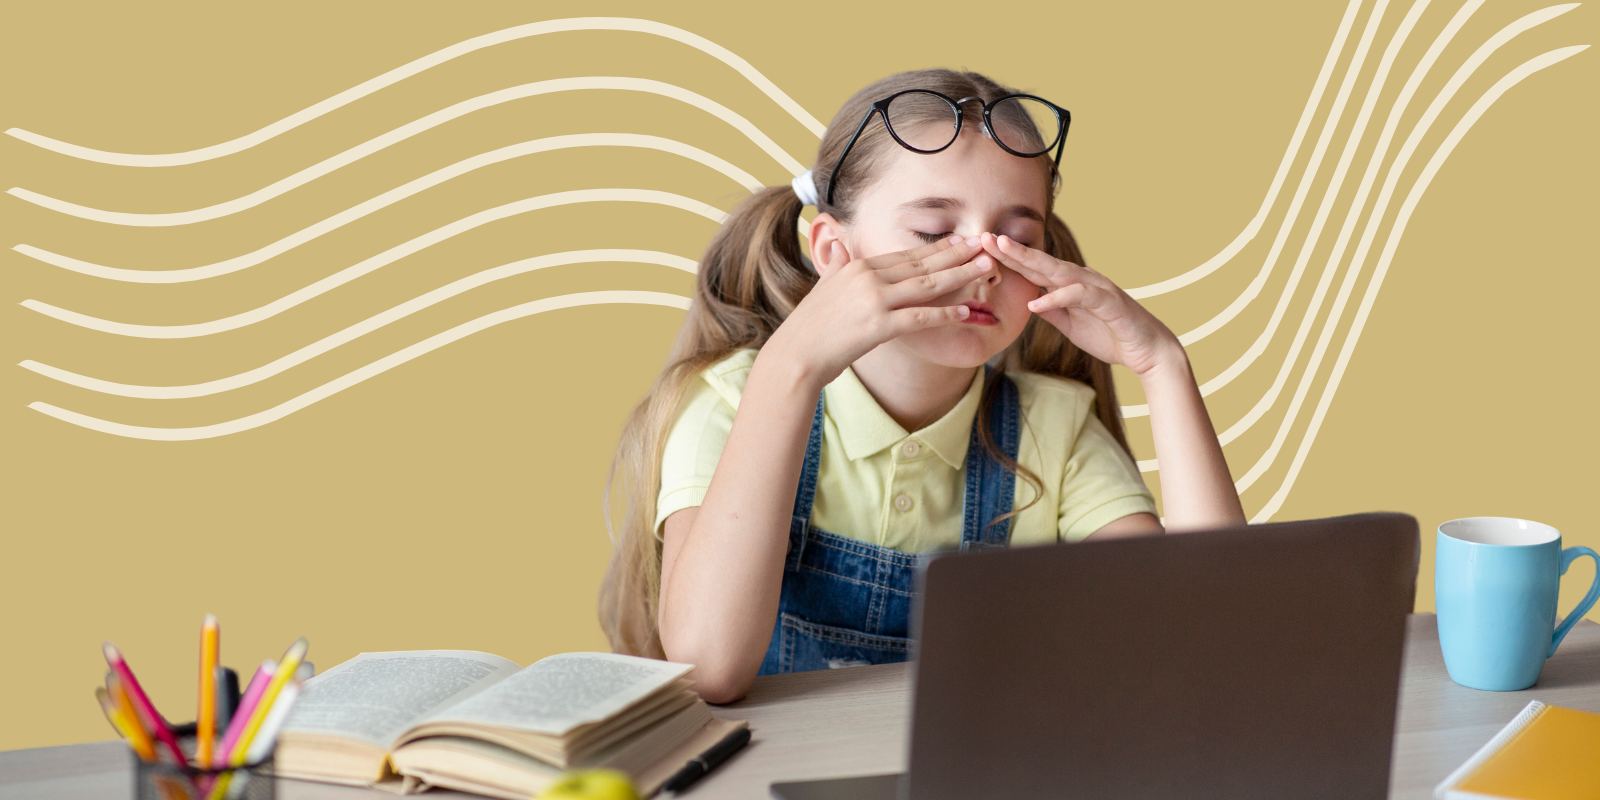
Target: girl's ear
828,249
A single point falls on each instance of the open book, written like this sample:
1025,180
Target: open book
476,722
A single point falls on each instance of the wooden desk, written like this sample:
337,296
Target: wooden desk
853,722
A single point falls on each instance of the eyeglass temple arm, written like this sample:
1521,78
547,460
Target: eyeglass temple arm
1066,122
846,151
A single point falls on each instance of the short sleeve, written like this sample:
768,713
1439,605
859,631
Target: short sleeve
1101,483
693,447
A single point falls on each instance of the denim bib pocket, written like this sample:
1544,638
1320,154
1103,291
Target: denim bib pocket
807,645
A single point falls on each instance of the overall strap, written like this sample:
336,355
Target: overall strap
990,487
806,494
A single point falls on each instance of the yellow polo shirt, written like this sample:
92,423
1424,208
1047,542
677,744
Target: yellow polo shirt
887,487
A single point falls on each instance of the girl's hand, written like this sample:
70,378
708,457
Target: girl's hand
861,304
1094,313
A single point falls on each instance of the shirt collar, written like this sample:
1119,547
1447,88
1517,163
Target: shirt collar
866,428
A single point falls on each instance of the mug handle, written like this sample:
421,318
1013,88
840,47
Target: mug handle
1568,556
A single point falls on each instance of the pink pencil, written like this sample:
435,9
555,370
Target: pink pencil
142,702
247,704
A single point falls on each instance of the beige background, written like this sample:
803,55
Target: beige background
454,502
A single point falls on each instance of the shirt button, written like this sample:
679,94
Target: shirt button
911,449
903,502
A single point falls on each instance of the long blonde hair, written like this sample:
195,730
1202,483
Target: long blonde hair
753,274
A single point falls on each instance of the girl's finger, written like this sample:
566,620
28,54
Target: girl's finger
916,318
919,287
1083,295
1038,260
1043,268
954,256
1067,269
1029,271
946,252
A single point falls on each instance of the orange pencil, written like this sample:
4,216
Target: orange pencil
137,735
170,787
206,727
113,714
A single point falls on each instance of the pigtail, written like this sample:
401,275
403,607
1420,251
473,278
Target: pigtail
752,276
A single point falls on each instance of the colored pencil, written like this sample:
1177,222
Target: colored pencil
137,735
286,670
247,704
268,736
170,787
125,727
142,703
206,724
220,788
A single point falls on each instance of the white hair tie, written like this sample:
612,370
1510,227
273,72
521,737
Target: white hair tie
805,188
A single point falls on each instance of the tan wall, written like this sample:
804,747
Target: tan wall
453,501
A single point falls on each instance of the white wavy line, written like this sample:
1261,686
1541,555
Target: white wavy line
389,198
1352,143
434,59
407,131
1390,244
1380,149
1306,179
384,364
392,254
1352,71
1375,220
1250,230
364,327
1340,243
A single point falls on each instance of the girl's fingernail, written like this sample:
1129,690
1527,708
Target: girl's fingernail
956,239
962,311
1033,305
983,262
972,240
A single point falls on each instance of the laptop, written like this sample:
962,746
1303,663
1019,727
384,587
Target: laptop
1259,661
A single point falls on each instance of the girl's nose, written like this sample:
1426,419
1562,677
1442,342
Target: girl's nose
992,277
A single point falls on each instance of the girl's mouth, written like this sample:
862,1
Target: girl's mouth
979,313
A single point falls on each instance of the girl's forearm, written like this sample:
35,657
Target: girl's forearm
1197,491
720,599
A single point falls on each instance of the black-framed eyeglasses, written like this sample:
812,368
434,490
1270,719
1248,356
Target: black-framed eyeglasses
916,108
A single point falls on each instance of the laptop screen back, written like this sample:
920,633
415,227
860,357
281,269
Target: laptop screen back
1260,661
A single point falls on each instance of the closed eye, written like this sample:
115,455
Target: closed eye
934,237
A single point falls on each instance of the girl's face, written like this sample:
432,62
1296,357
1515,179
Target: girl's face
968,188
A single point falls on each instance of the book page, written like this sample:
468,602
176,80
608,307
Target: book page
561,692
375,696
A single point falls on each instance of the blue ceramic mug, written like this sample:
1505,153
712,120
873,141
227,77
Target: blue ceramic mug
1495,581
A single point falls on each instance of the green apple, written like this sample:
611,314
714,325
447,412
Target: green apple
591,784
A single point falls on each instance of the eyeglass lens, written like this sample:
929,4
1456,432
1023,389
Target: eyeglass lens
927,122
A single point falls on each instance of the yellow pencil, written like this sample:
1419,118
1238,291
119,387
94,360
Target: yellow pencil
129,729
206,727
141,738
286,669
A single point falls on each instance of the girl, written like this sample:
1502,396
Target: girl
824,420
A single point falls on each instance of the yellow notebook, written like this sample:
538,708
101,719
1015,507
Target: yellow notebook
1546,753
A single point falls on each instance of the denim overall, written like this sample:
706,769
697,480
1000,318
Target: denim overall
846,602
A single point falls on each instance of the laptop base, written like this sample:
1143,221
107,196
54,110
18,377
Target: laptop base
863,787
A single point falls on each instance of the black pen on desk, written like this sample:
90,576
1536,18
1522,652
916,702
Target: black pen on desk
707,761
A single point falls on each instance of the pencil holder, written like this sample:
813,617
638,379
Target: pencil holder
168,781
